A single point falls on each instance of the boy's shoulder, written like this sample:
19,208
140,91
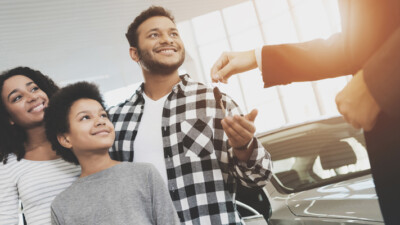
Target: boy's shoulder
65,197
137,167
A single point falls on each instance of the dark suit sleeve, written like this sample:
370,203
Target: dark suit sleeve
382,75
366,25
308,61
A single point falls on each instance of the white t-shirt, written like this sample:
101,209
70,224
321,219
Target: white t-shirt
148,143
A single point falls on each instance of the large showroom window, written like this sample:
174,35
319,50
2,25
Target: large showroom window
249,25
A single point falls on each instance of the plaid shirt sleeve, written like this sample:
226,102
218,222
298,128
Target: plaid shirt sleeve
256,172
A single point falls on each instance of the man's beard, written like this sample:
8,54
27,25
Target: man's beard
156,67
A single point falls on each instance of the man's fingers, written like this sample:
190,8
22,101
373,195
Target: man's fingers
222,69
369,126
238,128
218,65
245,123
224,73
252,115
234,136
356,103
355,124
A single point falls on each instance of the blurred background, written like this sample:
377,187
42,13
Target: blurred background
73,40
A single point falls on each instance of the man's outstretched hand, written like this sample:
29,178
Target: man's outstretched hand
240,131
230,63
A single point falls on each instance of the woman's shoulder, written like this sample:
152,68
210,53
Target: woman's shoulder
57,164
11,161
11,170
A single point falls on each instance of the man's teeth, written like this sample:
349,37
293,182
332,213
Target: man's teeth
167,51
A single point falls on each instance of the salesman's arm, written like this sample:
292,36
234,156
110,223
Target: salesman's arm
375,88
382,75
365,26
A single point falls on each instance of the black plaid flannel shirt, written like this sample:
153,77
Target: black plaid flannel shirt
201,168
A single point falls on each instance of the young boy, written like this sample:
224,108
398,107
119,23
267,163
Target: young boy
107,192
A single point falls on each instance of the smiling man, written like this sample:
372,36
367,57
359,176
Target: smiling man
177,125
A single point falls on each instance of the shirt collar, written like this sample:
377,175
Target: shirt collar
180,87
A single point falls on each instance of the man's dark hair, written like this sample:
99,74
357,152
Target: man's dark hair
56,116
13,137
152,11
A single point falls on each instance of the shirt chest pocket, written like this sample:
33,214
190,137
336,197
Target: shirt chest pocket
197,138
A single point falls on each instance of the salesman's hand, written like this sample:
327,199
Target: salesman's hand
230,63
240,131
357,105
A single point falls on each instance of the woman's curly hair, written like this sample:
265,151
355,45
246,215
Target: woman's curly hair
13,137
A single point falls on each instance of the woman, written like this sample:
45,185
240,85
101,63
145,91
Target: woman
30,170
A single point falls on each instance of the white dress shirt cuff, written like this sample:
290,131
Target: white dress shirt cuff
257,53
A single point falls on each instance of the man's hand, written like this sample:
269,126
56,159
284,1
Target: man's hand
357,105
230,63
240,131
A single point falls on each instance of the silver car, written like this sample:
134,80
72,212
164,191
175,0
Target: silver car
321,176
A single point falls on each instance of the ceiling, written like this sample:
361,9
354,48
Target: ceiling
72,40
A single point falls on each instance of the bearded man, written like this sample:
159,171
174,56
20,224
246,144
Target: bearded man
175,123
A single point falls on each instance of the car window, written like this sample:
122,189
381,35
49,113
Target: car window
316,154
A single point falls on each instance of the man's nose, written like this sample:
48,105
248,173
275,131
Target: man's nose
166,38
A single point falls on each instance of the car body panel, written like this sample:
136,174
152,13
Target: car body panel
341,198
354,199
327,205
